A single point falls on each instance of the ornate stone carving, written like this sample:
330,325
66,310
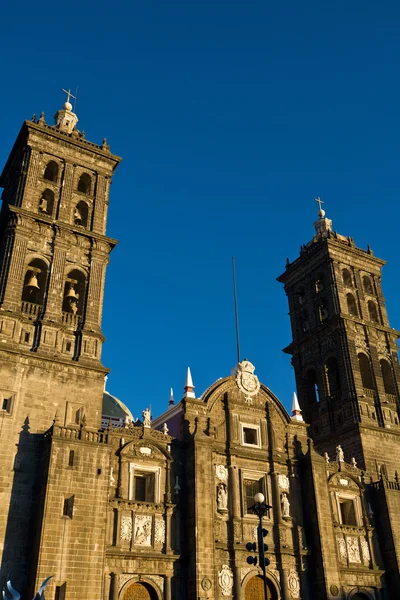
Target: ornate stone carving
353,549
142,530
159,531
206,584
124,577
342,550
126,528
246,381
365,550
221,472
244,571
225,580
255,533
294,584
237,530
158,580
283,481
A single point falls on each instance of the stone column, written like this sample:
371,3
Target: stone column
238,595
100,216
284,584
167,588
168,540
114,586
15,277
64,212
57,281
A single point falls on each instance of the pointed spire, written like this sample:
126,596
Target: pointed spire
189,387
323,225
296,410
171,398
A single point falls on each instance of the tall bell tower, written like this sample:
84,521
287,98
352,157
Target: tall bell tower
344,352
53,257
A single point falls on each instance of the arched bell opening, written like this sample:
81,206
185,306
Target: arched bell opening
85,184
351,305
347,278
366,372
51,171
373,312
46,203
74,296
81,214
387,376
367,285
34,287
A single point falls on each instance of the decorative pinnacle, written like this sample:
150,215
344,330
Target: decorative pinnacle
296,410
321,212
171,397
189,387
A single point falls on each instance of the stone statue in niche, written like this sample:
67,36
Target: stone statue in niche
222,497
146,418
285,505
339,454
354,463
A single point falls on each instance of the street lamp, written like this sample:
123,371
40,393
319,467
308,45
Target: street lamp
260,508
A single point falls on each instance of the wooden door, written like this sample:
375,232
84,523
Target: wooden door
255,590
138,591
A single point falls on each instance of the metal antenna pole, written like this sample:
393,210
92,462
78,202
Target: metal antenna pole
236,309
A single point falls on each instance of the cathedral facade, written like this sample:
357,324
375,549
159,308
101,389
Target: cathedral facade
161,508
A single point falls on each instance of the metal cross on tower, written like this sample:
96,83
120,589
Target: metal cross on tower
320,202
69,95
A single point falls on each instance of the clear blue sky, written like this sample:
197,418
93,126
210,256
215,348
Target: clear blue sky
230,117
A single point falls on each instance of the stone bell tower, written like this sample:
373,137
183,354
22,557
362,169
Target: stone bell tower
53,257
344,351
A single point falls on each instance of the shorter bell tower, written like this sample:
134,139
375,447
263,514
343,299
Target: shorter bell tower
344,351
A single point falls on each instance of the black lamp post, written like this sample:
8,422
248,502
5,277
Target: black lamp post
260,508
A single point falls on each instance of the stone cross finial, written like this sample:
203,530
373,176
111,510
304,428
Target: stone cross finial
69,95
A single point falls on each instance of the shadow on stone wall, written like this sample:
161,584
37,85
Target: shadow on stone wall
20,535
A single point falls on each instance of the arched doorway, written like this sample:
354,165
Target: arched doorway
139,591
360,597
255,589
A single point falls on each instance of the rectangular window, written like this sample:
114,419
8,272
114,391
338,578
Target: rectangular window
68,347
144,487
251,487
250,435
27,336
69,507
347,512
6,405
71,458
61,591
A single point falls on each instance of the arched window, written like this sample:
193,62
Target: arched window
300,295
367,285
351,305
305,324
46,202
372,311
332,376
85,184
74,293
51,171
323,312
347,279
81,213
319,283
366,373
387,376
34,286
311,387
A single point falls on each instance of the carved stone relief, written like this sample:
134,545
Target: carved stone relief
126,528
283,481
246,381
124,577
225,580
365,550
157,580
159,531
221,472
342,550
353,549
142,530
294,584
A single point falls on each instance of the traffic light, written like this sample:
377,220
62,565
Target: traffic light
262,548
251,547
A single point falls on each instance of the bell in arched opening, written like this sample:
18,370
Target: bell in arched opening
71,293
71,297
32,283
